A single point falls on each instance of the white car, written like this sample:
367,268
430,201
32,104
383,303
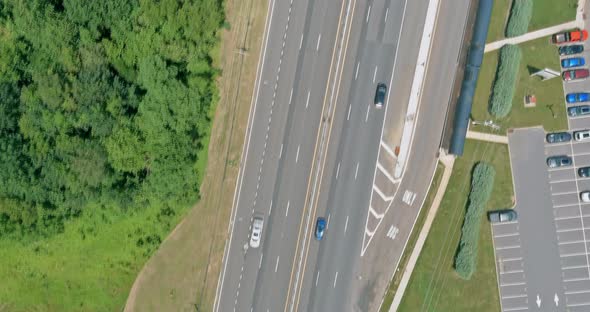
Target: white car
585,196
582,135
256,234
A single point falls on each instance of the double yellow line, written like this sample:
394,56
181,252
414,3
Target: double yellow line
314,201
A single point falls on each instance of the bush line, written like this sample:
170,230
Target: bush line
505,81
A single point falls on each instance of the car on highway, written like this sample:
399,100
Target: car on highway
582,135
585,196
569,36
559,161
256,234
500,216
578,110
380,95
577,97
584,172
571,49
575,74
558,137
573,62
320,228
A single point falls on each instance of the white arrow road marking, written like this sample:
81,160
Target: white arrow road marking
538,301
556,299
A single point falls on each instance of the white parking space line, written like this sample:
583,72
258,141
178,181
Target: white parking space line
578,304
572,254
572,217
576,279
516,309
510,259
580,154
508,247
571,242
571,230
563,193
576,292
559,169
375,74
515,296
317,48
560,181
564,205
504,223
513,284
573,267
506,235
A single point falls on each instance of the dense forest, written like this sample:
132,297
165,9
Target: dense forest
103,104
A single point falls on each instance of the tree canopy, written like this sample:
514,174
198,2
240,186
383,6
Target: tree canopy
102,101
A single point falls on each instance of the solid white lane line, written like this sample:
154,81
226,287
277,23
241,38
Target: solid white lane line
301,42
346,224
277,265
335,279
386,13
357,70
270,208
356,171
307,102
367,117
287,211
349,107
375,74
368,14
260,263
297,156
291,96
318,45
317,277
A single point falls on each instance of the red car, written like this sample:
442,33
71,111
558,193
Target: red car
575,74
569,36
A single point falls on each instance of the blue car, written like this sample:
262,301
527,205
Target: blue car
572,62
320,228
578,110
577,97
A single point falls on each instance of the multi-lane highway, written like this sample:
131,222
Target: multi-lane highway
316,146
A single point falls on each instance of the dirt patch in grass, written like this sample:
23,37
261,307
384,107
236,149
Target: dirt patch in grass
183,274
434,285
549,111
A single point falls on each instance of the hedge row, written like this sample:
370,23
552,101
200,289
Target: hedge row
505,82
520,16
482,182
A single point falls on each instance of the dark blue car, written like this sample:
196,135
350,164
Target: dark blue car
571,49
577,97
320,228
572,62
578,110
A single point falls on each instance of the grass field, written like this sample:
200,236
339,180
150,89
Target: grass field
500,13
434,285
550,12
413,237
549,112
183,274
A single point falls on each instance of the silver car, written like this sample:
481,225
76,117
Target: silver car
256,234
582,135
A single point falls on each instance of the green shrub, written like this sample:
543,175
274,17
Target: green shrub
520,16
482,182
505,82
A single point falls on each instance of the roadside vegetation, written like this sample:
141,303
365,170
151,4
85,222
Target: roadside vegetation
500,12
549,111
505,81
482,182
435,285
520,16
394,284
105,122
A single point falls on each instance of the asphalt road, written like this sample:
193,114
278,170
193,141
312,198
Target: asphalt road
300,90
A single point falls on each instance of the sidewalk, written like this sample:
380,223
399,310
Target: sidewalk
481,136
447,161
534,35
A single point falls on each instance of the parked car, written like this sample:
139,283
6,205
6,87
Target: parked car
575,74
582,135
584,172
500,216
380,95
320,228
559,161
577,97
578,110
571,49
256,234
573,62
585,196
558,137
569,36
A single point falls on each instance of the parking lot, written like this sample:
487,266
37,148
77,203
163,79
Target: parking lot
542,258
